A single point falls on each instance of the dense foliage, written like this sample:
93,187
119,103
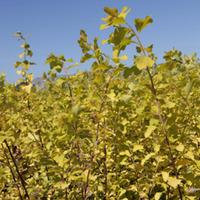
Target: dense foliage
117,131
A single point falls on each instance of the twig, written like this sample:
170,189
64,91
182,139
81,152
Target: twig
11,170
17,170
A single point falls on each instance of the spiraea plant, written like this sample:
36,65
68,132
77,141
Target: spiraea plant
128,128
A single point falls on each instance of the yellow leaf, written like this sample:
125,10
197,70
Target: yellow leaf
165,176
124,12
137,147
158,195
27,88
104,41
103,26
21,55
18,72
124,57
30,77
133,188
116,53
156,147
190,155
173,182
180,147
149,131
143,61
147,157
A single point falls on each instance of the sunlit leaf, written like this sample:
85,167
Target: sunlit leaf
143,62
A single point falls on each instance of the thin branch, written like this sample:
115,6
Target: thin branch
11,170
17,170
154,92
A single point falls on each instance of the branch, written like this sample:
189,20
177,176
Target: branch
17,170
13,175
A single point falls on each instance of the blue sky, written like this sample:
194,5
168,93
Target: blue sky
54,25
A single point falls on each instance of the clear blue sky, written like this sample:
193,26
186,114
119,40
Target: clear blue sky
54,25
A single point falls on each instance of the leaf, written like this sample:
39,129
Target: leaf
165,176
169,104
190,155
180,147
147,157
173,182
111,11
17,64
103,26
125,97
60,159
124,12
123,58
76,109
60,81
19,72
116,56
137,147
21,55
115,53
58,68
125,153
70,60
104,42
149,131
27,88
133,188
86,57
156,147
149,48
188,88
83,36
143,61
158,195
140,23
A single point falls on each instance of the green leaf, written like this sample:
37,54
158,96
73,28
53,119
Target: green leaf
111,11
143,61
83,36
17,64
86,57
70,60
140,23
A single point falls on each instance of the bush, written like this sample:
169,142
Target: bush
113,132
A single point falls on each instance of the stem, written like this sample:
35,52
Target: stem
17,170
100,110
105,173
86,186
11,170
162,120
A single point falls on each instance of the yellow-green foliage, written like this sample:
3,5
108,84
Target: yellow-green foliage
114,132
